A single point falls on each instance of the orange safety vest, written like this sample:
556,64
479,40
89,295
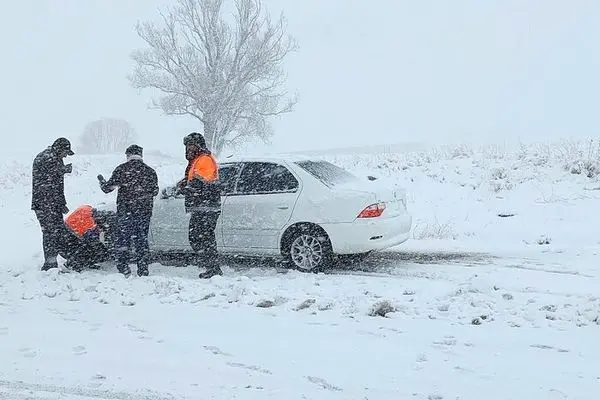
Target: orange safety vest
81,220
205,167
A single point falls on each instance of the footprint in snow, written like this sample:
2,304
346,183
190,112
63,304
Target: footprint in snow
28,352
216,351
323,383
250,367
95,327
546,347
79,350
435,397
134,328
447,341
420,362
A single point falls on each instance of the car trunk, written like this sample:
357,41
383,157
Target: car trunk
393,195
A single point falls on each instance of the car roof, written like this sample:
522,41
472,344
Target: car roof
277,158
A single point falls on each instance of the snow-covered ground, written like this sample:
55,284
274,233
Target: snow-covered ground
474,306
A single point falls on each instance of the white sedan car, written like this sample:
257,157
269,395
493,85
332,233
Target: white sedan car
305,210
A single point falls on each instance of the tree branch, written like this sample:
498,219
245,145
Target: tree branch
228,75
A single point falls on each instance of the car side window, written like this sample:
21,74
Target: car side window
265,177
227,176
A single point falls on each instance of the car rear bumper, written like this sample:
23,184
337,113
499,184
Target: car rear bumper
365,235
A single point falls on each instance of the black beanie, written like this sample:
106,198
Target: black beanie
134,150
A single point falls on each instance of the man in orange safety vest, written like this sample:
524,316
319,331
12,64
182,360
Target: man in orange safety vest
85,245
203,201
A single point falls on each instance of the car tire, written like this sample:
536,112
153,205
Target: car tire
307,248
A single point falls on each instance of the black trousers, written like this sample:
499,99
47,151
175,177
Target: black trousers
54,234
203,239
86,251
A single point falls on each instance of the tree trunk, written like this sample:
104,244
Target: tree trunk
210,132
219,147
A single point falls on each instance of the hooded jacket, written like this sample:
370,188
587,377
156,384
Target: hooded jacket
48,182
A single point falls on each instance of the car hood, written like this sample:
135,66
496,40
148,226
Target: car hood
106,206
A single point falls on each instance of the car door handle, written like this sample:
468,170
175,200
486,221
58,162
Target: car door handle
283,207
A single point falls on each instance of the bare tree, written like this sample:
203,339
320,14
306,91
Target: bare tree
106,135
227,74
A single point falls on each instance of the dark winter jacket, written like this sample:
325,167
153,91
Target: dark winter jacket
137,185
48,182
202,194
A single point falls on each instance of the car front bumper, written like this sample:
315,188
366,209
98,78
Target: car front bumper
368,234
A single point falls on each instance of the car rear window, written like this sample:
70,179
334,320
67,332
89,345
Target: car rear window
327,172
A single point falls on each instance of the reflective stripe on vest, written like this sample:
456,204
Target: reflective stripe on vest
81,220
205,167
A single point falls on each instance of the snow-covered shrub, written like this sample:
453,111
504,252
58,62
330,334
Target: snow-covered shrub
499,180
580,159
382,309
15,174
589,168
499,174
494,152
462,151
433,230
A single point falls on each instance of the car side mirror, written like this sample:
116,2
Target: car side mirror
167,193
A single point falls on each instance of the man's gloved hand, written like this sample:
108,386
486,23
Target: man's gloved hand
65,210
180,187
68,168
101,180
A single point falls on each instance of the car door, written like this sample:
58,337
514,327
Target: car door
228,175
171,222
259,207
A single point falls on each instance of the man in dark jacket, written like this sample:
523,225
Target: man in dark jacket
203,201
138,185
48,197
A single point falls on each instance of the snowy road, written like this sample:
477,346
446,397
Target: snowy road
457,325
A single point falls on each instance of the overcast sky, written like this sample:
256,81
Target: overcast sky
381,71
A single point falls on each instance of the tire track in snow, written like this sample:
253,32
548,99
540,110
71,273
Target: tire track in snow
15,390
548,270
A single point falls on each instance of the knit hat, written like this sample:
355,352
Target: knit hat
134,150
195,138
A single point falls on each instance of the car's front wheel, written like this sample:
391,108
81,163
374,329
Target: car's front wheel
307,248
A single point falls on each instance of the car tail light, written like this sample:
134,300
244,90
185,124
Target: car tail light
372,211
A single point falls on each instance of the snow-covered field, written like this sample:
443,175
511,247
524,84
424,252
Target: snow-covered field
475,306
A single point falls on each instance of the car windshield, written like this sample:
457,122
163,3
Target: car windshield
327,172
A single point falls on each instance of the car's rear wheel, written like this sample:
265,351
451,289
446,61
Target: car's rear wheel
307,248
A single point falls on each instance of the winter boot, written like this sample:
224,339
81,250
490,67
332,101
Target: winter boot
143,270
210,273
49,264
73,266
125,270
